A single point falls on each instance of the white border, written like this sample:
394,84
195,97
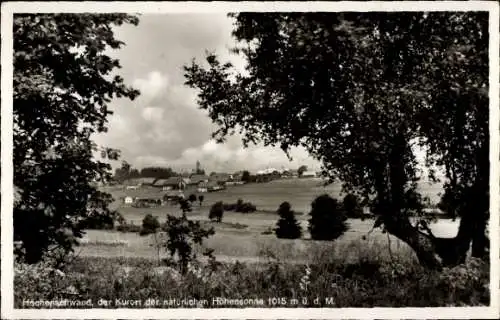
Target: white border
8,312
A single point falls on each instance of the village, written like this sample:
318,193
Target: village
185,185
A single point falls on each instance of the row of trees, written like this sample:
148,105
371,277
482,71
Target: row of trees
359,91
327,222
328,217
126,171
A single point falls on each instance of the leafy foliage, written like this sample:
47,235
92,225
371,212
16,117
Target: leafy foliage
352,207
327,219
287,226
62,87
128,227
359,91
240,206
158,172
216,211
192,198
245,176
150,224
185,206
100,222
301,170
183,234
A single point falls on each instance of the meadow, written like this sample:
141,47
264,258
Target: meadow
243,237
362,268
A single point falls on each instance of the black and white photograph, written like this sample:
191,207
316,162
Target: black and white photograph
208,160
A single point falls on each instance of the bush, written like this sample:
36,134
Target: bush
229,206
192,198
327,219
185,206
149,225
183,234
216,211
352,207
128,227
244,207
100,222
240,206
287,226
245,176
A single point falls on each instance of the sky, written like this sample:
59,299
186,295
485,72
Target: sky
164,126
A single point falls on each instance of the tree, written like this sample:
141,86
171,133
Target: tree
287,226
157,172
134,173
149,225
192,198
327,222
182,235
62,86
301,170
245,176
122,173
216,211
359,91
352,207
447,204
185,206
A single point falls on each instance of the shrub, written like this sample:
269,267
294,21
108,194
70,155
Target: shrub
245,176
327,219
192,198
352,207
182,235
240,206
100,222
185,206
149,225
269,230
216,211
287,226
128,227
229,206
244,207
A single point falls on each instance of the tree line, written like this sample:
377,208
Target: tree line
126,171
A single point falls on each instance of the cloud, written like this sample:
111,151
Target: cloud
165,126
154,114
152,85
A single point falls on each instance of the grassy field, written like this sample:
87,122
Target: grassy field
243,237
378,271
266,196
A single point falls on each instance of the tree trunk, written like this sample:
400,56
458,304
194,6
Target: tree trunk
421,243
432,252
